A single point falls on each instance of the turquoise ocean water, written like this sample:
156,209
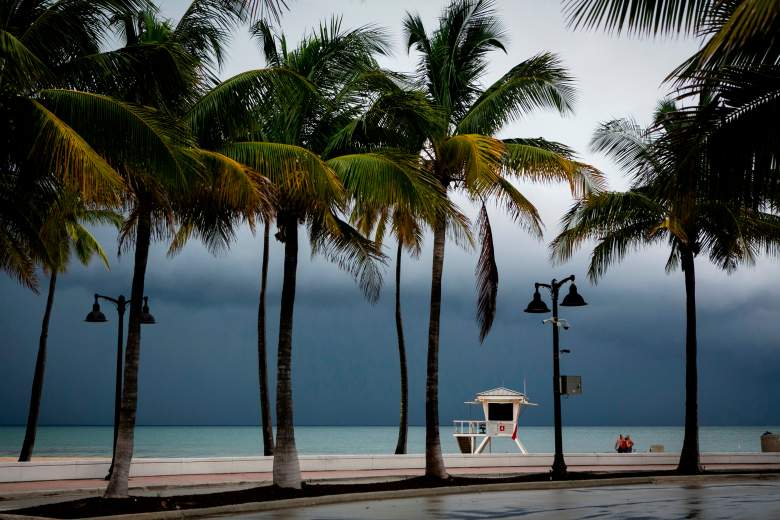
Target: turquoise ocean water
226,441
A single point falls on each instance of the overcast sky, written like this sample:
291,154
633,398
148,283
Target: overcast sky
198,363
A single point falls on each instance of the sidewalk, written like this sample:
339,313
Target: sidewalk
173,484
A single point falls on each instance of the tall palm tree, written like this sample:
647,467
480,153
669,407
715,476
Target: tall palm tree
666,204
463,154
306,144
407,231
262,356
172,68
64,233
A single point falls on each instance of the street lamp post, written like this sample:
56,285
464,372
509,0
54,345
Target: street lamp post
537,305
97,316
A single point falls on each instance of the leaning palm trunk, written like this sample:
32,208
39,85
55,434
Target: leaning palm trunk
40,368
689,457
403,425
434,463
265,406
286,471
117,486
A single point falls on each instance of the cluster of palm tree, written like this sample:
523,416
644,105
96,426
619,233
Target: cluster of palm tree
147,137
706,173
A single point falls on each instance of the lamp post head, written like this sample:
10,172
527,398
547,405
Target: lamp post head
573,299
95,316
537,305
146,317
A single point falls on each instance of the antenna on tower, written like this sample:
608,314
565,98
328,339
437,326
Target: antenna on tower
524,392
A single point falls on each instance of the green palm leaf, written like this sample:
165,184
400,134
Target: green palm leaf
343,245
539,160
60,149
150,141
297,173
478,157
389,180
21,66
539,82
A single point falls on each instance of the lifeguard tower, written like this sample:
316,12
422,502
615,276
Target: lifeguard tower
502,408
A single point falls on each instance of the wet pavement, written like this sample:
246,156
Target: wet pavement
749,499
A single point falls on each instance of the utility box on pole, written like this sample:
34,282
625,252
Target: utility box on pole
571,385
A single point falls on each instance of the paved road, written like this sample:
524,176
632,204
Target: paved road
749,500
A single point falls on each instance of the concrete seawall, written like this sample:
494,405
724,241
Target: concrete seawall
75,469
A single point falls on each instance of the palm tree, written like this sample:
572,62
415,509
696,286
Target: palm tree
462,154
407,230
172,69
666,203
306,143
64,233
262,357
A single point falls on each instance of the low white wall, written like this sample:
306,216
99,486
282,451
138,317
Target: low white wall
97,468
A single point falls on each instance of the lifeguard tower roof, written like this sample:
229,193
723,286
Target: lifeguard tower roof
500,394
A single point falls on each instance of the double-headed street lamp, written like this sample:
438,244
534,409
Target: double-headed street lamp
537,305
97,316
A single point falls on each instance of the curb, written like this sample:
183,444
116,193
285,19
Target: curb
253,507
97,491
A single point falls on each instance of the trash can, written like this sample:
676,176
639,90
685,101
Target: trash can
770,442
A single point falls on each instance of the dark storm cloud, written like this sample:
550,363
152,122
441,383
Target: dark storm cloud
198,363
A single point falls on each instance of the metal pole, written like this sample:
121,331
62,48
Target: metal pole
559,466
120,307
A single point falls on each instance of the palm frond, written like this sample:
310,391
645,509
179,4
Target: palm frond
539,82
539,160
149,140
60,149
628,144
205,28
614,246
343,245
230,105
269,9
390,180
517,206
20,65
606,214
296,172
637,17
487,276
473,159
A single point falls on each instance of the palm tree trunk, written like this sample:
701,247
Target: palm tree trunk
117,486
265,405
286,470
403,425
434,463
40,368
689,457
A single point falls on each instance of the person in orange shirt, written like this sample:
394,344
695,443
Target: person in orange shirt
629,444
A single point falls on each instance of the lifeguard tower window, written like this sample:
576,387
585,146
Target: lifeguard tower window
499,411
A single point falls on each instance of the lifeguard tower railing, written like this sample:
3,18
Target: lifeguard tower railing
470,427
